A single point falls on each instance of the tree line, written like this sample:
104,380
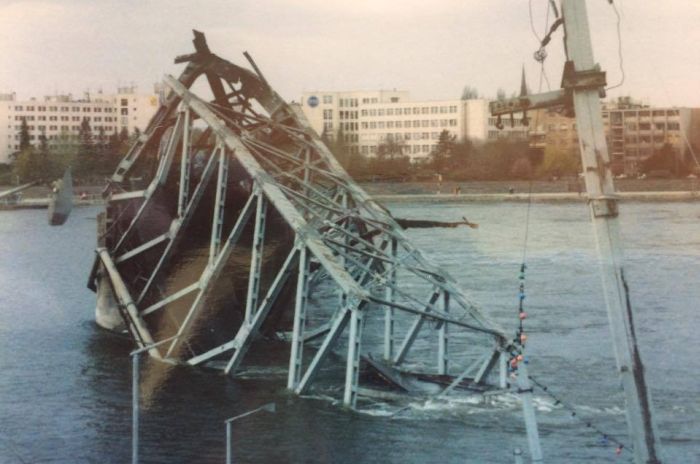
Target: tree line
452,159
91,156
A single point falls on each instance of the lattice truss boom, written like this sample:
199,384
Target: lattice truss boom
245,213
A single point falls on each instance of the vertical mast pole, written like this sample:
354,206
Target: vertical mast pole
604,211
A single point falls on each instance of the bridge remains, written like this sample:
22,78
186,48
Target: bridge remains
229,214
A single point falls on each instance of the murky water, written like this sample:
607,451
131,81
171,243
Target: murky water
65,384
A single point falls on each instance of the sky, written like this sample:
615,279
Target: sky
430,48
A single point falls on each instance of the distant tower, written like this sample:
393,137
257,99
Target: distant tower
523,84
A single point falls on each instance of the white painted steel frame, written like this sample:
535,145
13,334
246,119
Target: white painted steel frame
603,208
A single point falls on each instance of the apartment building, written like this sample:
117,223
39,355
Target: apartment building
634,132
366,119
60,115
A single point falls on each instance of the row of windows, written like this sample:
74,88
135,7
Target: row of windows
517,122
634,114
645,139
348,102
65,109
657,125
64,118
497,134
64,128
407,124
407,111
413,149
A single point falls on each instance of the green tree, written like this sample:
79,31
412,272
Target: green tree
85,154
442,153
24,142
390,148
665,160
559,163
470,93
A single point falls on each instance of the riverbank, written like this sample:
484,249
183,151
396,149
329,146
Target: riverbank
472,191
537,191
521,187
534,197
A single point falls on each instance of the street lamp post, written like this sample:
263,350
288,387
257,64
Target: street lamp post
135,397
269,407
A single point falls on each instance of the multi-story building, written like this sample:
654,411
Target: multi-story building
634,132
366,119
59,116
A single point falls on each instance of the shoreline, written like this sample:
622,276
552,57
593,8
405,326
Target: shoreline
557,197
562,190
562,197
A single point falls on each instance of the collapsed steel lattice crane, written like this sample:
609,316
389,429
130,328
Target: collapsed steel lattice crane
225,213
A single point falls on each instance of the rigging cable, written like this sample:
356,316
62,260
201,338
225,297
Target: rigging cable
517,355
619,47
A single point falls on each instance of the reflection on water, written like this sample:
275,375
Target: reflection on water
65,384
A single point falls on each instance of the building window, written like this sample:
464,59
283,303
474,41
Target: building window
398,124
328,99
18,108
125,111
380,112
125,102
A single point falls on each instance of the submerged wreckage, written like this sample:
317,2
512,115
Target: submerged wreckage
227,213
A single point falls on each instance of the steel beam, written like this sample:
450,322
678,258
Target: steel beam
180,224
415,328
184,163
219,204
352,363
213,270
249,330
141,248
443,347
256,256
175,296
121,291
389,321
337,326
302,295
603,205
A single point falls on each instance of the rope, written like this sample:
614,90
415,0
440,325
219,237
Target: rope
605,437
619,47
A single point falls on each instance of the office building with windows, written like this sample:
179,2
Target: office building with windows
367,119
60,116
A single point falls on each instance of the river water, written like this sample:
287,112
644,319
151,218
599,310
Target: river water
65,384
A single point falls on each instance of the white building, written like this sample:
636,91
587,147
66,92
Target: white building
366,119
59,115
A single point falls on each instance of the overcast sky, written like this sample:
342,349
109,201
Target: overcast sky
431,48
